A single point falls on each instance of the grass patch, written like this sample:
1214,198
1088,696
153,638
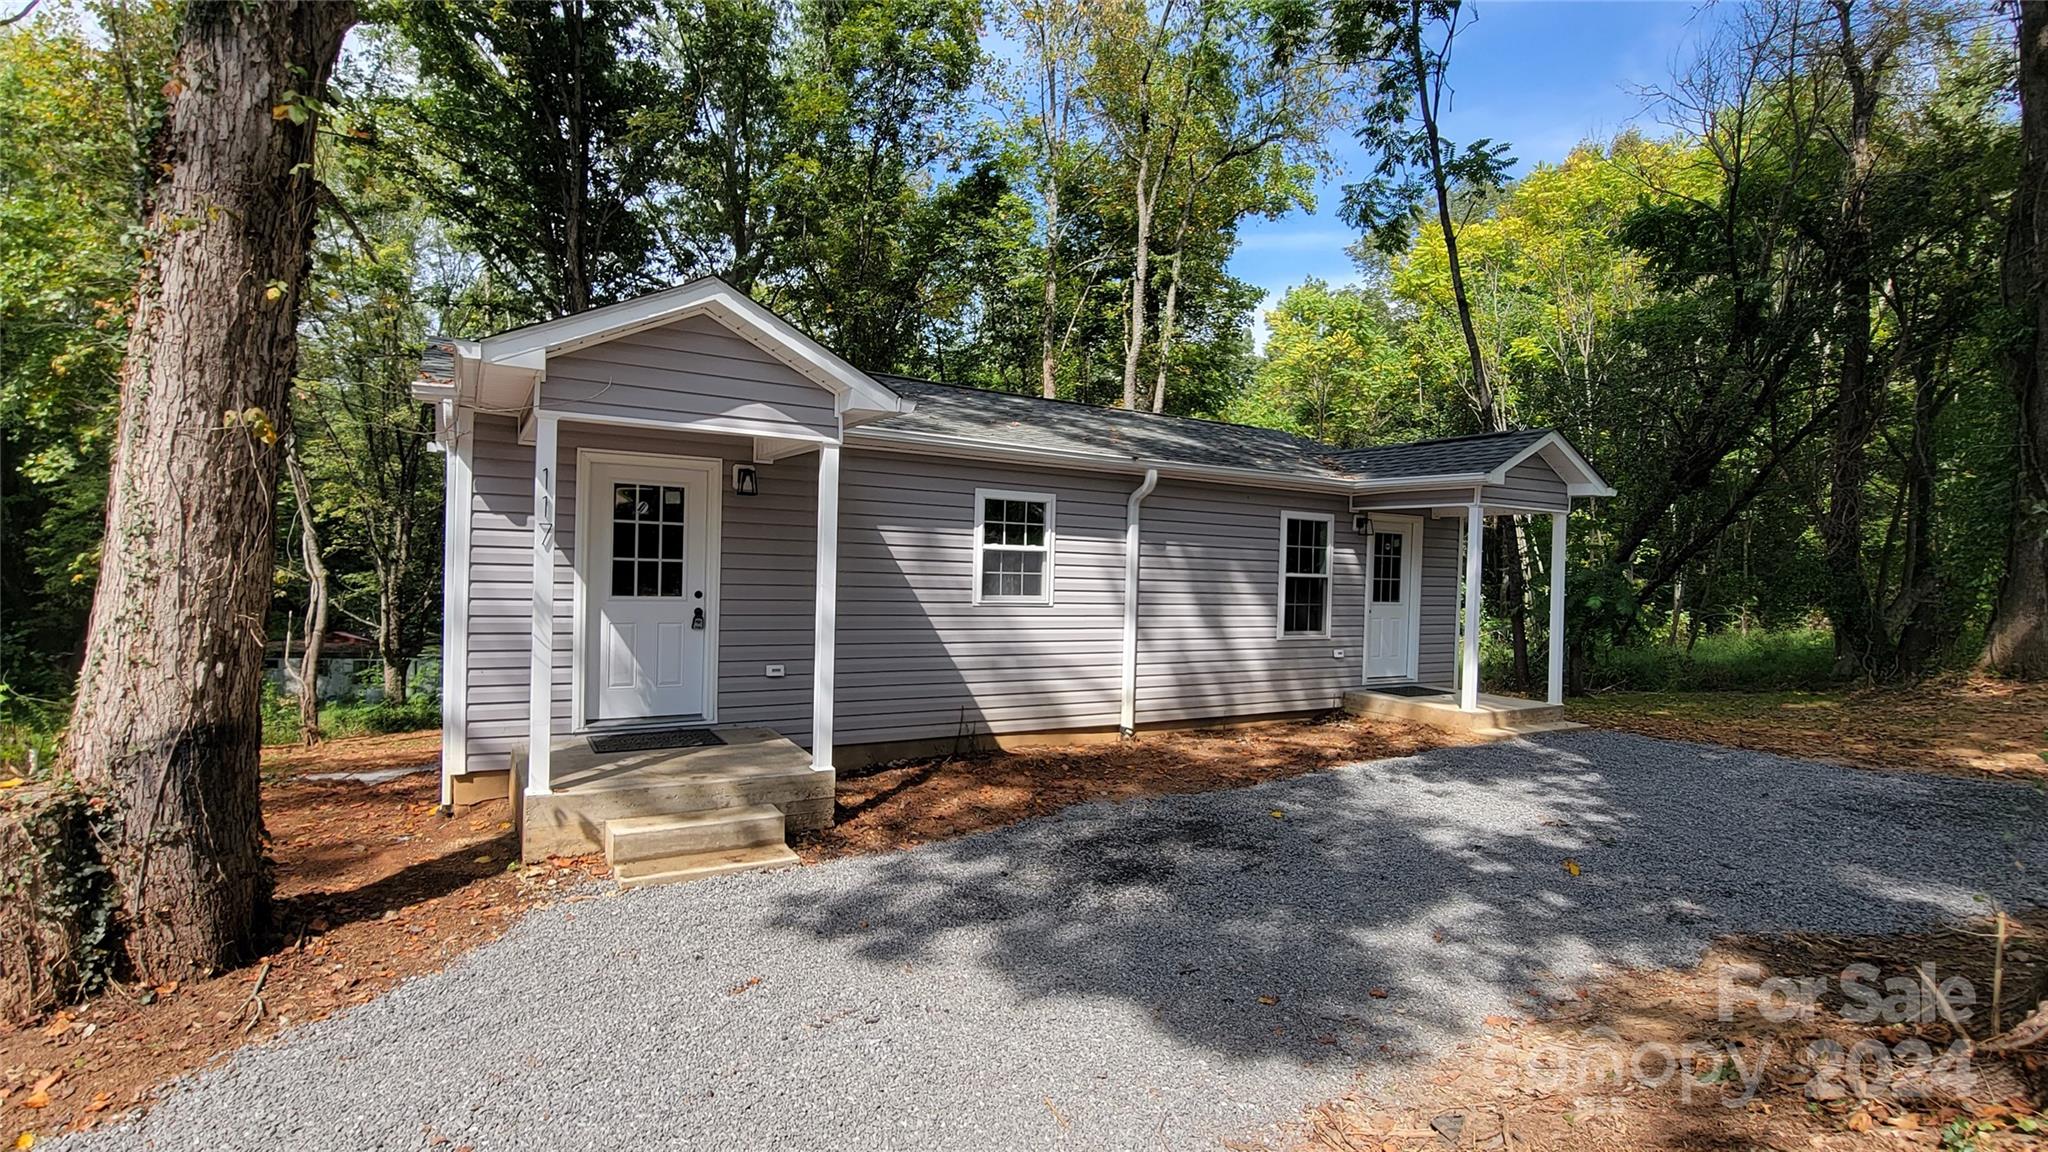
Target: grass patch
355,718
1801,659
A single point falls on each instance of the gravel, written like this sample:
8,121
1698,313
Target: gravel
1163,973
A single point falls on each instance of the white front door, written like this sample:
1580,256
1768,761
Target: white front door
645,575
1392,608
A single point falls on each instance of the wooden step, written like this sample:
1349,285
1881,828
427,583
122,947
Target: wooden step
700,865
635,838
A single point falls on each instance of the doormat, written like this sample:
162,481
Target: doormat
660,738
1408,690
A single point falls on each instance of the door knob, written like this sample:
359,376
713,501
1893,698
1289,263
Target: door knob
697,620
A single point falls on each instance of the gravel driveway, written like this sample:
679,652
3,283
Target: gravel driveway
1164,973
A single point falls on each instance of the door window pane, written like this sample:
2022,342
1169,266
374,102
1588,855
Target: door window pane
647,537
1386,567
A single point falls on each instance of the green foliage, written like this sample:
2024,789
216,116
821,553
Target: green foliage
542,178
76,114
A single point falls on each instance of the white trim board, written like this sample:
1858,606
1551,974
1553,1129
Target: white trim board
714,536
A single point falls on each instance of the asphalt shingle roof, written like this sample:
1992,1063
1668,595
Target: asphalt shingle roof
1033,422
1457,455
1007,418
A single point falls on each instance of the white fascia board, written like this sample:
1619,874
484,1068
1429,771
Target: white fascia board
1558,450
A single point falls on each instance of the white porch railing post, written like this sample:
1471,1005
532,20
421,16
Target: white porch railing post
1475,541
1559,521
541,680
826,622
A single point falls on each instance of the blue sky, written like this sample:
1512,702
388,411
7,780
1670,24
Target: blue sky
1541,75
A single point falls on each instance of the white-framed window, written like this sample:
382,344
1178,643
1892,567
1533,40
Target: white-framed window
1304,574
1013,546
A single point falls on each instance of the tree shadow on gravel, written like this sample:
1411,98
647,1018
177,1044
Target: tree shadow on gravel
1380,910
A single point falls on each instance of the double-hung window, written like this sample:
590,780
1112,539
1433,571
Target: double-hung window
1013,547
1304,574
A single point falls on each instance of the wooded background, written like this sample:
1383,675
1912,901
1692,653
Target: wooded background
1792,324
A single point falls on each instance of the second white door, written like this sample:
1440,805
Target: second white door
646,578
1390,615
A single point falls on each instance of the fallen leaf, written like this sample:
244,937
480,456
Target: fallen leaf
58,1025
1269,1001
24,1142
1859,1122
1377,993
100,1102
1277,814
1571,866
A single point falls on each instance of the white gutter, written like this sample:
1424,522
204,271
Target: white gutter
1128,721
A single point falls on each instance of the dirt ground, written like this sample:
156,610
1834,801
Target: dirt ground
373,886
1734,1055
1968,726
903,805
376,886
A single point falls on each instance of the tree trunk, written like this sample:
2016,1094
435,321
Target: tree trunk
1861,645
316,600
2017,644
1166,312
1135,339
1048,362
1514,563
1489,412
166,718
1914,616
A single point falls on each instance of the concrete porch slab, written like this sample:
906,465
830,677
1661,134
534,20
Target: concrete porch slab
1495,716
753,766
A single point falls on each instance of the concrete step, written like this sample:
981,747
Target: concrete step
1532,729
699,865
635,838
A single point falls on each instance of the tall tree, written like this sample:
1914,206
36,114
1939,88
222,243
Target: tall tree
1406,45
724,124
166,718
523,135
2018,640
363,439
1055,42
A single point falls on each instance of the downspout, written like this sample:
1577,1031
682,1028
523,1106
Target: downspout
1128,722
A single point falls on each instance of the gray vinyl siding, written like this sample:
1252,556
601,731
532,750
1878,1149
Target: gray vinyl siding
1532,484
694,369
1209,604
768,567
918,659
1415,500
500,592
1437,648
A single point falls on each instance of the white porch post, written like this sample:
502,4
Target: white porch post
455,591
1559,521
826,622
540,693
1475,540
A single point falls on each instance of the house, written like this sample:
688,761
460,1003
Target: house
745,542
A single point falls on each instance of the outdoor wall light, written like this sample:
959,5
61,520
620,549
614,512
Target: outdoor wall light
745,480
